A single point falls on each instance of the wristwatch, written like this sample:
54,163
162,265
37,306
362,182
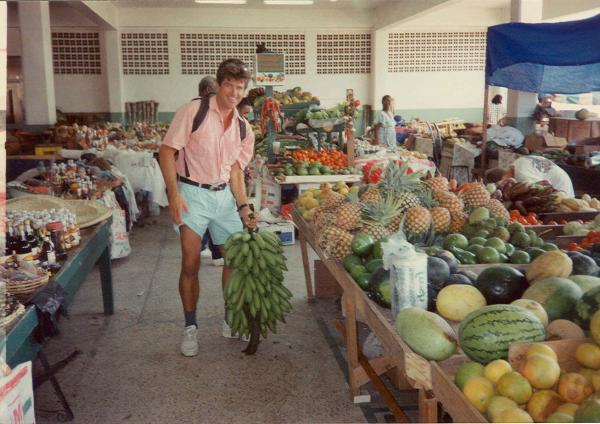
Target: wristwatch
242,206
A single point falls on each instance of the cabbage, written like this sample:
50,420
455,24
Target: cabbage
597,221
571,228
581,232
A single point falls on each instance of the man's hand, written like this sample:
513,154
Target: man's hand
176,207
248,218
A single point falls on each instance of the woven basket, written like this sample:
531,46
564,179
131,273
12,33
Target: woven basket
22,290
9,320
88,212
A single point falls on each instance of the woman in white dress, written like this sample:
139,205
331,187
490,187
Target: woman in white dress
385,125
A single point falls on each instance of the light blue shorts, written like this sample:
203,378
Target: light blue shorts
212,210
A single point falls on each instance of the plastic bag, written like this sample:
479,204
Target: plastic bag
16,401
372,347
408,273
119,237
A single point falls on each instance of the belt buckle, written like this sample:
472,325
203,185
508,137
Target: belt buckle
215,187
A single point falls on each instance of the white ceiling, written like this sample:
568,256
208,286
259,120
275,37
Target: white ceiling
318,4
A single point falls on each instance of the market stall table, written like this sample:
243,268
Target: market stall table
94,248
405,368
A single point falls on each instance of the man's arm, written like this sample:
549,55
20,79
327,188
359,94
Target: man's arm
166,156
238,188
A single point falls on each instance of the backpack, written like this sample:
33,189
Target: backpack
199,118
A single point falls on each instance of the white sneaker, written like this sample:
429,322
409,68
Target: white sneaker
227,333
218,262
206,253
189,345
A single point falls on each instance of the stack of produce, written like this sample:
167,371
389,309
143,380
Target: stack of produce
255,296
316,113
527,197
579,228
302,168
308,202
529,219
334,159
537,389
257,97
569,204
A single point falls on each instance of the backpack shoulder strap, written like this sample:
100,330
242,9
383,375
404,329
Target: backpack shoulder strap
201,114
242,123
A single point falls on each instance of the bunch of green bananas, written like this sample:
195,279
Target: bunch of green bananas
254,292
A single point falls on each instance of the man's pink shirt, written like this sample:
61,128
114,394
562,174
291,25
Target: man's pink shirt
210,151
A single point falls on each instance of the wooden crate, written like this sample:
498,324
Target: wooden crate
567,216
301,179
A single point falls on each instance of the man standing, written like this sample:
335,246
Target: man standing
205,184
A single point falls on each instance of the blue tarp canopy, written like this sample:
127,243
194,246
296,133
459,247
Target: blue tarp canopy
559,57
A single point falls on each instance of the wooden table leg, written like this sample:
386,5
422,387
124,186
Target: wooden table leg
351,343
428,407
309,286
106,279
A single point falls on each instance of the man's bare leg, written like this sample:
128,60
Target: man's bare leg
189,288
226,270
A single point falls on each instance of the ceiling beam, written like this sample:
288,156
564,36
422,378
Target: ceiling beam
394,12
555,10
103,13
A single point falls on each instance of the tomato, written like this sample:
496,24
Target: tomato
531,220
553,222
523,221
563,222
572,247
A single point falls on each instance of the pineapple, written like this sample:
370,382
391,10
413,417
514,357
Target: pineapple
417,220
371,195
332,199
497,208
441,219
324,220
440,216
335,242
458,221
378,216
395,181
474,194
449,201
348,215
437,184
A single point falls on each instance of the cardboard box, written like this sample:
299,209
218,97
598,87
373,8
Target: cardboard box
285,231
539,143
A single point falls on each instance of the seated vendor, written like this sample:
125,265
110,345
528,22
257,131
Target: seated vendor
534,169
544,109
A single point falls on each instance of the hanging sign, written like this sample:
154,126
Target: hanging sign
270,69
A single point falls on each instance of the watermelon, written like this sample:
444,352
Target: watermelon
486,334
557,295
585,282
380,288
501,284
586,306
437,271
584,265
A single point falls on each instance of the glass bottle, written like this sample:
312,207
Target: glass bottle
31,238
58,239
23,247
48,251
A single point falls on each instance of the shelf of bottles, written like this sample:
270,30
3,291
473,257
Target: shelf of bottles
69,180
41,238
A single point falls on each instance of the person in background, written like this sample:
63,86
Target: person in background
533,169
497,110
544,110
207,86
244,108
205,183
385,124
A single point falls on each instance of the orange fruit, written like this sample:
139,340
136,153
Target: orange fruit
541,371
574,388
540,348
542,404
514,386
567,408
479,391
496,369
588,355
498,404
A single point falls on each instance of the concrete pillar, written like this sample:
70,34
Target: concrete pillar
38,75
379,68
111,45
520,104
